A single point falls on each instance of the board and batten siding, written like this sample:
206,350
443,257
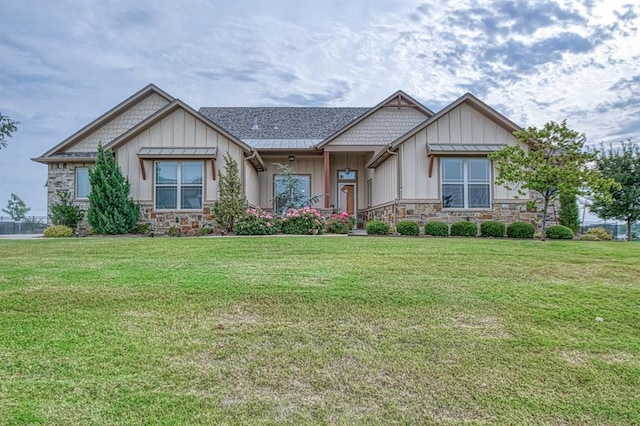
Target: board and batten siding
385,181
251,184
356,161
120,124
179,129
462,125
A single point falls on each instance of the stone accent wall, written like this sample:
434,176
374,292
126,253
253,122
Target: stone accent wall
62,177
423,212
189,222
120,124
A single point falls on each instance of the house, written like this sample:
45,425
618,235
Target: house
396,160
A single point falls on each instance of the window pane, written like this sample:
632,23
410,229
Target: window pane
453,196
303,188
82,183
191,172
166,197
191,197
478,196
342,175
478,170
452,169
166,172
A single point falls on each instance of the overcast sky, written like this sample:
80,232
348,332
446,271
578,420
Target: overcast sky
64,63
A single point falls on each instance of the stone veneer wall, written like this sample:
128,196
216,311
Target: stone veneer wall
62,177
189,222
423,212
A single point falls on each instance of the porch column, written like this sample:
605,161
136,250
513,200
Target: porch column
327,180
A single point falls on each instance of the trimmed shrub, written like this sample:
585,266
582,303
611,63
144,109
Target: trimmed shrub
204,231
437,229
559,232
303,221
64,212
58,231
143,229
255,222
407,227
597,234
520,230
377,227
174,231
464,229
492,229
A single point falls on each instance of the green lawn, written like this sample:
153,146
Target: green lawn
319,330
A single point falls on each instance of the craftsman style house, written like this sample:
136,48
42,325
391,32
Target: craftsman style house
397,160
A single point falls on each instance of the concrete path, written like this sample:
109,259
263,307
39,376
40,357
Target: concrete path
19,236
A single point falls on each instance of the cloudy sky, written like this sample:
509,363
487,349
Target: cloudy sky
64,63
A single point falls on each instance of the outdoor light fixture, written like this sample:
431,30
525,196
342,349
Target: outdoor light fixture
292,158
347,170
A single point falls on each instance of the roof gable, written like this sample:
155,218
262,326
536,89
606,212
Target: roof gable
397,100
111,115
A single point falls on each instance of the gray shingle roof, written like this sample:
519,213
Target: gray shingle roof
280,123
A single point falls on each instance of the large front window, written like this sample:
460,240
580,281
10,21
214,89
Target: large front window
293,191
466,183
178,185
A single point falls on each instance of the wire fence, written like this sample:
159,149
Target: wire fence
31,225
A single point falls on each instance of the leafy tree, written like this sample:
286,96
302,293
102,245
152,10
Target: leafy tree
7,128
111,209
291,195
569,212
16,208
556,163
621,202
231,202
64,212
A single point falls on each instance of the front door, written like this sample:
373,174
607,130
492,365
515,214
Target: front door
347,194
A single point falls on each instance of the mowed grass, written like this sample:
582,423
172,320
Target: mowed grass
338,330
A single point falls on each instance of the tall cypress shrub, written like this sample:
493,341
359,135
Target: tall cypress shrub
569,213
231,202
111,209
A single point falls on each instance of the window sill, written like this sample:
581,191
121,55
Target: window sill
483,209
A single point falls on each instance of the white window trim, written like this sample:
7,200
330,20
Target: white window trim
465,183
76,196
178,185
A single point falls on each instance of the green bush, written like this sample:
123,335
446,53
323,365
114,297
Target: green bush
255,221
520,230
464,229
204,231
407,227
559,232
174,231
58,231
302,221
492,229
64,212
438,229
377,227
340,223
143,229
597,234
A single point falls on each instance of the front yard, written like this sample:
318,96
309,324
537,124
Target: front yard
319,330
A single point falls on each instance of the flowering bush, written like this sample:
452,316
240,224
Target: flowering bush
303,221
255,221
340,223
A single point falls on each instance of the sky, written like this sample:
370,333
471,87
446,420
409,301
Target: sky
64,63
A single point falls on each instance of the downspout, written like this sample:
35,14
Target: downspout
244,177
398,186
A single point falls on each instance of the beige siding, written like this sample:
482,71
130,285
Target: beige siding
382,127
461,125
178,129
120,124
338,161
385,181
415,166
252,184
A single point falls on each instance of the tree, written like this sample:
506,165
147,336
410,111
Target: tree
111,209
7,128
556,163
16,208
621,202
231,202
291,194
569,213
